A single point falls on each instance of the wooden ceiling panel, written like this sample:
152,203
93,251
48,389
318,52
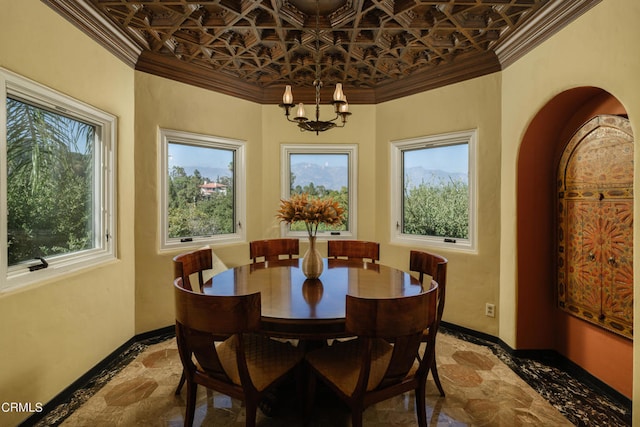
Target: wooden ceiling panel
378,49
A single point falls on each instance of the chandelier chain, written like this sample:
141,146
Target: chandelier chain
341,108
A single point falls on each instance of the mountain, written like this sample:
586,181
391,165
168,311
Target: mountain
332,177
418,175
336,177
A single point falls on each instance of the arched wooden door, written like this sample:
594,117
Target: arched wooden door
595,224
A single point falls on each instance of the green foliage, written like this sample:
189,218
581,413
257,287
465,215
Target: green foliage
192,213
437,210
49,186
320,191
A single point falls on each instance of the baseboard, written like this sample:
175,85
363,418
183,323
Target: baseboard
470,332
550,358
116,357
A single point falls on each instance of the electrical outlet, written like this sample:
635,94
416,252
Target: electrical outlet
490,310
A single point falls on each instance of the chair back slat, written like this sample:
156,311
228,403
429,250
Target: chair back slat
184,265
353,249
390,317
432,265
273,249
193,343
400,364
220,315
400,320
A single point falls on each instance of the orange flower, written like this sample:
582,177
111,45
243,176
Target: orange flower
310,210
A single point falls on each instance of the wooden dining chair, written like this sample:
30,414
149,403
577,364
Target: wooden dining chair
354,249
435,266
194,262
242,364
185,265
272,249
369,369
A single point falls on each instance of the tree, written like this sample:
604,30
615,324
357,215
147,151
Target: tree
191,212
320,191
49,183
437,209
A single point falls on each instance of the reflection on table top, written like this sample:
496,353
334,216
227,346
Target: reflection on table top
294,306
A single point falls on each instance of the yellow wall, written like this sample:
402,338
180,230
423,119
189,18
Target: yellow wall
596,50
472,279
162,103
52,333
58,331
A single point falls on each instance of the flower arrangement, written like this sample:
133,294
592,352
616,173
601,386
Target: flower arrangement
312,211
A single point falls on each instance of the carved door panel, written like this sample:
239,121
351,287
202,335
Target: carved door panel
617,262
583,272
595,225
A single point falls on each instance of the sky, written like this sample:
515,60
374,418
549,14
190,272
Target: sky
452,158
187,155
321,159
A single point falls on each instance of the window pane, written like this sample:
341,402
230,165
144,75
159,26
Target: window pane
200,191
50,185
436,191
322,176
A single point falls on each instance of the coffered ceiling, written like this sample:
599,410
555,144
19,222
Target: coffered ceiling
379,49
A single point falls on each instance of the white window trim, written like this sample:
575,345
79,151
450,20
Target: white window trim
397,147
165,136
285,184
105,244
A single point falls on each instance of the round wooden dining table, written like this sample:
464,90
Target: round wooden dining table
296,307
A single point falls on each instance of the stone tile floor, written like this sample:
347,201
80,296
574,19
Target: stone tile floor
478,377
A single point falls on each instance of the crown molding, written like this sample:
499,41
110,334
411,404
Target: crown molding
174,69
547,21
461,69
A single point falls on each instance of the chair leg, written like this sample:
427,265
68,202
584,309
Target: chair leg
192,389
421,410
436,377
356,415
310,395
251,410
180,383
301,389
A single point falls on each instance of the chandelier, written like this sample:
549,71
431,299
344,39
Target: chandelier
340,105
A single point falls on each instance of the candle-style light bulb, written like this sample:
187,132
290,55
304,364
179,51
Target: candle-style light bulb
344,108
287,98
338,95
300,113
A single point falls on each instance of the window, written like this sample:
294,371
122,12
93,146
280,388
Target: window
57,192
322,171
433,190
202,189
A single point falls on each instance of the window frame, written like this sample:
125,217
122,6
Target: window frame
351,150
104,193
166,136
397,149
